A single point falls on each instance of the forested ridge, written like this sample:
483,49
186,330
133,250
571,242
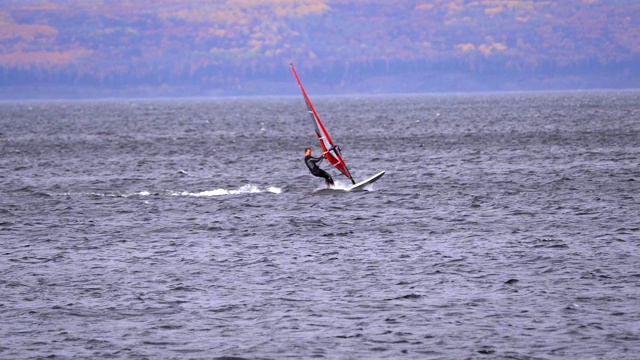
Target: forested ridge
224,45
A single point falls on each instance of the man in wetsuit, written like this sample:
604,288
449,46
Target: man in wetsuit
313,167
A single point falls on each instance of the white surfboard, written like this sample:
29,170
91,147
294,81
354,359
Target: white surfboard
360,186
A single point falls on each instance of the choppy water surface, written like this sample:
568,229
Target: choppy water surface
506,227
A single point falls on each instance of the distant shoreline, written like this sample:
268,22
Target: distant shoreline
384,85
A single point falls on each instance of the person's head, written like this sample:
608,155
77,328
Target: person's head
307,152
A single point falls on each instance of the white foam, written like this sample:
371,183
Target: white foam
246,189
339,185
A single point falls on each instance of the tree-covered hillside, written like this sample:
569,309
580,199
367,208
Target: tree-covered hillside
224,45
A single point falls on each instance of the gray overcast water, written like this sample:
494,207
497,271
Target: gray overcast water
507,226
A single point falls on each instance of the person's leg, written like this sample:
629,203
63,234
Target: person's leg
327,177
330,180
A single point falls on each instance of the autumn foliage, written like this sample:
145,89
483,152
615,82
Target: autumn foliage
220,41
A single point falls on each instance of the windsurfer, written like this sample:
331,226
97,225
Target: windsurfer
312,164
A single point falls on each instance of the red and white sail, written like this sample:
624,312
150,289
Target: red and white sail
331,151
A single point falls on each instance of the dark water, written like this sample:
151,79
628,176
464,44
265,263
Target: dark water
506,227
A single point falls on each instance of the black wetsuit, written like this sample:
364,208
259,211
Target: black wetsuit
315,170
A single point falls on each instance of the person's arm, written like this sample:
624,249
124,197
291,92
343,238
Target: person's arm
315,160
